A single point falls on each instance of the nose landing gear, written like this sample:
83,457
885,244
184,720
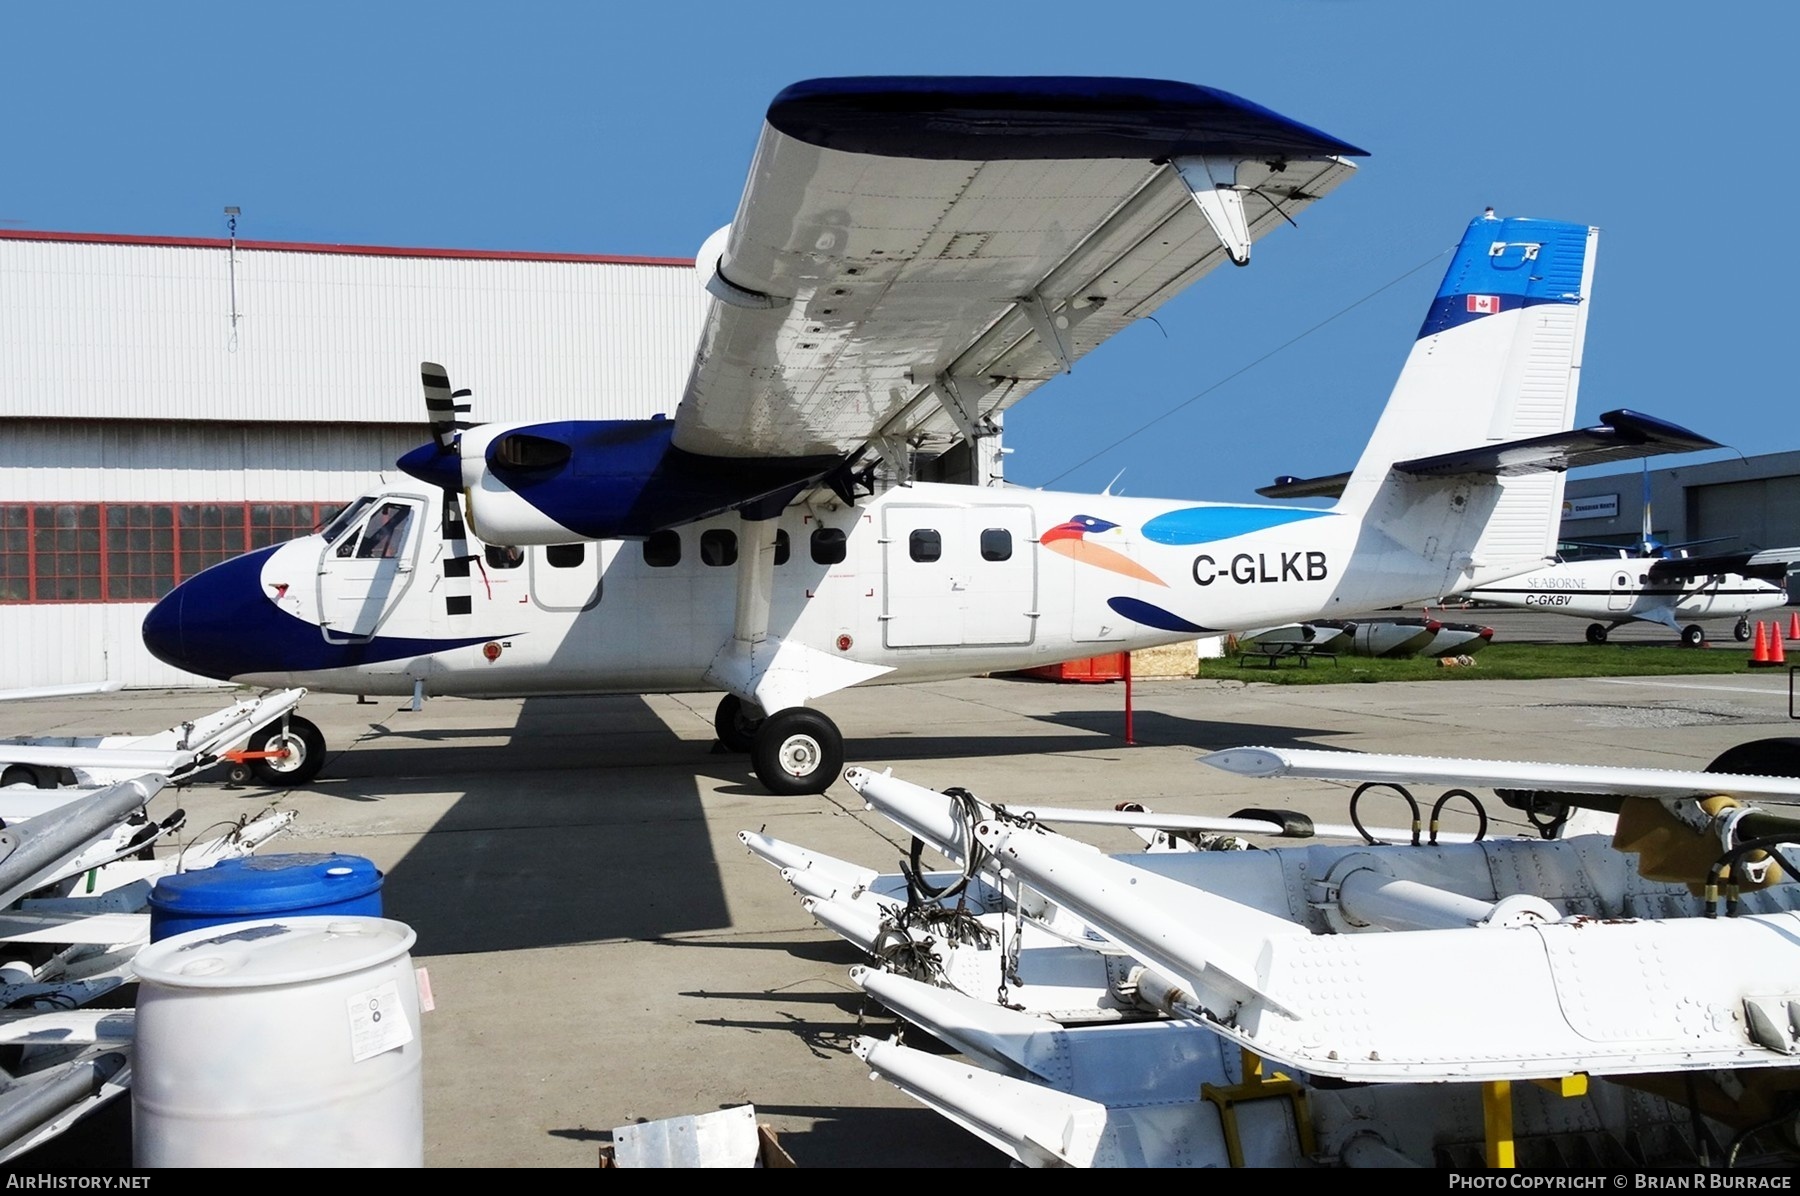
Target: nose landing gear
287,752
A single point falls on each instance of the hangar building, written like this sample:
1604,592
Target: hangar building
168,403
1741,503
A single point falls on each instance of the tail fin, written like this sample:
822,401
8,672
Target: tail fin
1498,359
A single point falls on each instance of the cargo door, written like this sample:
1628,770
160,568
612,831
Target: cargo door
958,576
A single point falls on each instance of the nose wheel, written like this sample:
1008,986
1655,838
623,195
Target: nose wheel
797,751
1596,633
288,751
1741,632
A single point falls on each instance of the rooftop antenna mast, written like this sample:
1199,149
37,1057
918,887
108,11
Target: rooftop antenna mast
232,212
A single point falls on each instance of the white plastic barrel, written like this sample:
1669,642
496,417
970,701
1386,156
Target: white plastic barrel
280,1042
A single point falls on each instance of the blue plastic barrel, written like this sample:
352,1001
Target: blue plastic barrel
264,886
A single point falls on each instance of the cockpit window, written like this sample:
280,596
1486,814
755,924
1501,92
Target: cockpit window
346,517
386,534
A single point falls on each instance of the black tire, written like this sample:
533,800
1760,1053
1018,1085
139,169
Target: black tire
1741,632
734,726
1596,633
1760,758
798,751
305,745
21,775
1693,636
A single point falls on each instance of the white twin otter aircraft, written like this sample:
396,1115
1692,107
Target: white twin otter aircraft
910,256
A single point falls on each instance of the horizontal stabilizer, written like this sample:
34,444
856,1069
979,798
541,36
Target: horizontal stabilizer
1289,486
1620,436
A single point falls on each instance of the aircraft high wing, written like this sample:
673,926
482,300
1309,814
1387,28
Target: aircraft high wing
910,256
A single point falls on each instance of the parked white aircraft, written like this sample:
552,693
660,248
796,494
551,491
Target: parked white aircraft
909,256
1657,583
1670,590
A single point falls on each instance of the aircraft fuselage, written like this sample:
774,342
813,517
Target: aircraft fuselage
921,582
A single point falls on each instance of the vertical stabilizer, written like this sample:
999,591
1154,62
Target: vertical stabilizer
1498,358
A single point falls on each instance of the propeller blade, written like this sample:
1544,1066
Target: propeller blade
441,406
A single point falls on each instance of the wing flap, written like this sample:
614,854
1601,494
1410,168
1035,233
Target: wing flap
902,237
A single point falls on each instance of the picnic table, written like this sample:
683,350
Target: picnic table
1275,650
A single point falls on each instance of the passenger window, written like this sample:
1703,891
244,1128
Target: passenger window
996,544
503,556
782,549
565,556
718,547
662,550
385,535
828,546
926,545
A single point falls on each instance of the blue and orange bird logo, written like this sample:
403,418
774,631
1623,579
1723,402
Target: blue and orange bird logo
1070,540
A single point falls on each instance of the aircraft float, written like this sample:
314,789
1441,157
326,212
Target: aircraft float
909,257
1609,986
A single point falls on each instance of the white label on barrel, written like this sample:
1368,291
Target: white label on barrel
377,1022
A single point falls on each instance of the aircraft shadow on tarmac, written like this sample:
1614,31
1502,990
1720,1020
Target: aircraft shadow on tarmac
574,824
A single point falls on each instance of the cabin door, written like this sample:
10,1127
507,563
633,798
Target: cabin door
566,577
958,576
1623,594
363,573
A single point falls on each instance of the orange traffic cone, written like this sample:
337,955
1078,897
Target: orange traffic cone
1759,648
1794,626
1776,654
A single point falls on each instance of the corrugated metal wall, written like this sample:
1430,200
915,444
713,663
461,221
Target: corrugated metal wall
134,331
116,462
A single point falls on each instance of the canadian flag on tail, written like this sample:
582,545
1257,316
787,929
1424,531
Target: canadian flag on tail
1484,304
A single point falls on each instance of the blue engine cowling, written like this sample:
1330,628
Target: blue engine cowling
554,483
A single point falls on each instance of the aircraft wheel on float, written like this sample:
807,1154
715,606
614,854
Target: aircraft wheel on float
1741,632
1596,633
798,751
20,776
733,724
1760,758
1693,636
305,747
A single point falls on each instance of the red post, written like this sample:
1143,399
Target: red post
1128,739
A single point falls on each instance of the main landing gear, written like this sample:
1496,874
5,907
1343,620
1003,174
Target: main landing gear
1596,633
1693,636
795,751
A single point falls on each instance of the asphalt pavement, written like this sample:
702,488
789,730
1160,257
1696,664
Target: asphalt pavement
602,950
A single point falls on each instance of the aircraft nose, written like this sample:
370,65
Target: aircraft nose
215,622
162,629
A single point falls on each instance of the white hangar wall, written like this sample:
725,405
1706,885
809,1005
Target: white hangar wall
144,435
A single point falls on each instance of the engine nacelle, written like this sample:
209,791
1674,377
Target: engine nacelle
557,483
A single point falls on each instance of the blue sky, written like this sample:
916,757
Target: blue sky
607,129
